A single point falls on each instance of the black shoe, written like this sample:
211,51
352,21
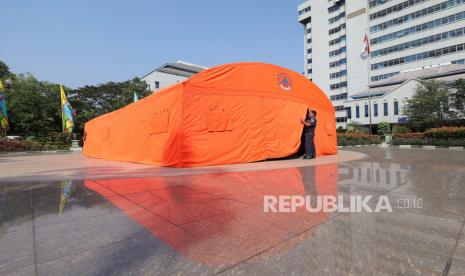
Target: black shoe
306,157
312,158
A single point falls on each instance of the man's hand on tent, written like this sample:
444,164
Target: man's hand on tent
304,122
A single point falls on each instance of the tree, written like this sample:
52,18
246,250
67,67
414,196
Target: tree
458,98
33,106
4,70
429,105
91,101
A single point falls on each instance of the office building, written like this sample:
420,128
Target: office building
403,35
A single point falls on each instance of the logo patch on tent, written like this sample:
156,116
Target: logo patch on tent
284,81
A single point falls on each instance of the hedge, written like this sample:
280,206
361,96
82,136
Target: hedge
348,139
445,137
446,133
18,145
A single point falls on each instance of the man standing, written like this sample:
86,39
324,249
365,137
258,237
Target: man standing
309,123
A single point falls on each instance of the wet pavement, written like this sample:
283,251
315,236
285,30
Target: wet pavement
214,222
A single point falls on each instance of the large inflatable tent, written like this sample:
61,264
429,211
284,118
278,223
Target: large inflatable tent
233,113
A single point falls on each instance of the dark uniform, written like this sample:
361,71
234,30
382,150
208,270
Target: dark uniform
309,134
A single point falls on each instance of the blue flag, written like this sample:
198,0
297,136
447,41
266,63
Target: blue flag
135,97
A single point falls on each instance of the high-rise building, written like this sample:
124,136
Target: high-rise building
403,35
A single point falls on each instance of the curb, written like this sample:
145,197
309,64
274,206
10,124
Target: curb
406,147
14,153
457,148
359,146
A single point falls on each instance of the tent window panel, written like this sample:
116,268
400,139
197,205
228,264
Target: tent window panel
160,122
218,121
104,133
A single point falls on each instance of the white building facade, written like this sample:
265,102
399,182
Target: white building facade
403,35
388,97
171,73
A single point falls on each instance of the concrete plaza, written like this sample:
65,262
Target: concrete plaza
65,214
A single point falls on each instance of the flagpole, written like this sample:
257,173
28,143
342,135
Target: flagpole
369,93
369,78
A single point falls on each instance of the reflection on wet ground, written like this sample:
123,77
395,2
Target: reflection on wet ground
214,223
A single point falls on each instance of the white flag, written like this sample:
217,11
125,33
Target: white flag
365,47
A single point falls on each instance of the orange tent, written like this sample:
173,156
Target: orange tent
233,113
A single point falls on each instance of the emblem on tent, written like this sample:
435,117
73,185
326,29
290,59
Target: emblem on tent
284,81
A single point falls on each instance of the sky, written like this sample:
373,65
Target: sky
88,42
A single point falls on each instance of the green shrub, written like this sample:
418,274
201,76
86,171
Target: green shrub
409,141
400,129
384,128
340,129
17,145
63,138
56,141
441,137
356,128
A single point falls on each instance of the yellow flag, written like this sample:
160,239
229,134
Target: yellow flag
1,86
63,96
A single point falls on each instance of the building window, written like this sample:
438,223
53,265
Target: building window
349,112
338,97
337,52
357,111
384,76
420,56
336,7
157,84
366,110
375,106
307,9
386,111
338,85
339,108
338,74
395,8
338,63
418,42
336,18
396,108
420,28
337,40
417,14
375,3
337,29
